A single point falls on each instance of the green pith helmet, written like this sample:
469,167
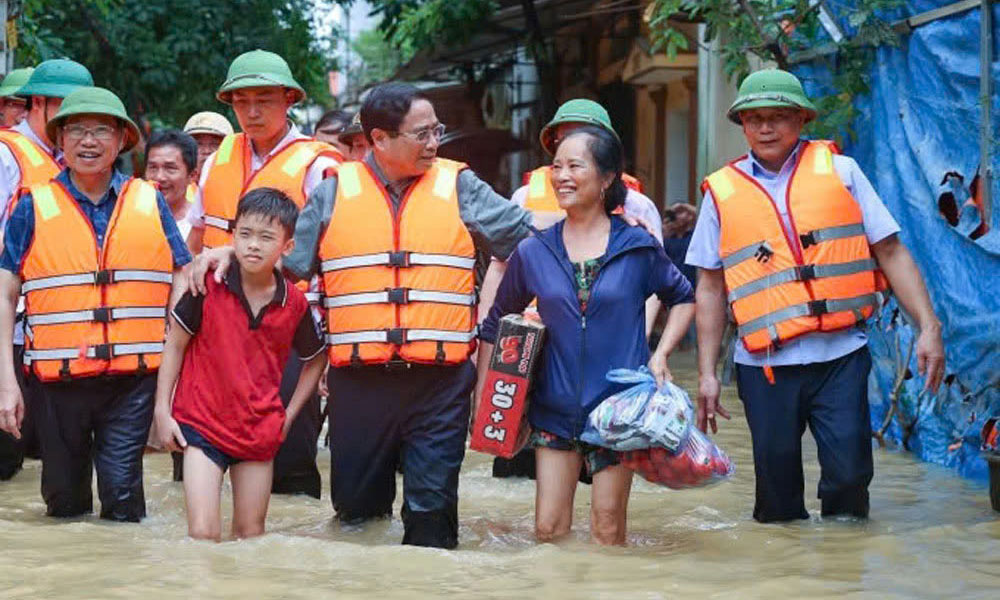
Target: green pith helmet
14,81
578,110
258,68
56,78
94,101
770,88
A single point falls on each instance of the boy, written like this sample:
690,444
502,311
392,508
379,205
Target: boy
226,410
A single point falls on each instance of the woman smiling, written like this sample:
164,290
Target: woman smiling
591,275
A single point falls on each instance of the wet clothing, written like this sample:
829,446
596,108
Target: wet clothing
582,346
295,470
595,458
97,423
417,416
832,399
821,379
380,413
195,439
229,380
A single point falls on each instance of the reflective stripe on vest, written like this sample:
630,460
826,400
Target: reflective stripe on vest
229,179
96,311
36,165
400,336
398,285
397,259
820,276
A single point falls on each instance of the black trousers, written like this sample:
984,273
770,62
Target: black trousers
295,470
417,416
12,450
832,399
97,423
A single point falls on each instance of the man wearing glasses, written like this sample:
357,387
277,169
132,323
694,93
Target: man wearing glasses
95,253
397,238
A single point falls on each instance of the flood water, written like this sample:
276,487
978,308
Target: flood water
932,535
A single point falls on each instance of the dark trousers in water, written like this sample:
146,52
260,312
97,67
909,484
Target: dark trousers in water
417,415
295,470
98,422
832,399
12,450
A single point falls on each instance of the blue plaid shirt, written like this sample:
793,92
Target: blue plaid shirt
21,225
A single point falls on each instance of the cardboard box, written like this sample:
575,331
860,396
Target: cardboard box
502,414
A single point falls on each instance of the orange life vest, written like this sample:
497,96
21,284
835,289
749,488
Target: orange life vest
93,311
36,165
230,178
398,284
822,278
542,196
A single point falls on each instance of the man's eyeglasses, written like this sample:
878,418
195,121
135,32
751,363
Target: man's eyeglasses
101,133
424,135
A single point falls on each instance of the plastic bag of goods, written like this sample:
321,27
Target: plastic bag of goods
653,430
640,416
698,462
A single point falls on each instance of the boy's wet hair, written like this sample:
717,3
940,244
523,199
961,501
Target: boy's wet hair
271,204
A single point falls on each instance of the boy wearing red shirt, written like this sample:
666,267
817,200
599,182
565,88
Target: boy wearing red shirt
228,347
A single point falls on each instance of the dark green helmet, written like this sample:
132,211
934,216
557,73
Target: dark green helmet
577,110
56,78
258,68
770,88
94,101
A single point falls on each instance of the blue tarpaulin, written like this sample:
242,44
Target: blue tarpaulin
917,139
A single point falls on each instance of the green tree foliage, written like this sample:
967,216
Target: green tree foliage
776,30
377,59
166,58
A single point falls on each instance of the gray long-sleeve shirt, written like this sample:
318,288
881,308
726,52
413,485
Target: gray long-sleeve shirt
495,224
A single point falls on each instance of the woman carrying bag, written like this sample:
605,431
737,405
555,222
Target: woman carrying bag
591,275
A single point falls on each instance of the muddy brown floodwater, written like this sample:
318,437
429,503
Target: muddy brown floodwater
931,535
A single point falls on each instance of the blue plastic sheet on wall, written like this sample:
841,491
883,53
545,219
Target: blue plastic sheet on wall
920,124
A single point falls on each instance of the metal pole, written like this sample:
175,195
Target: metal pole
986,105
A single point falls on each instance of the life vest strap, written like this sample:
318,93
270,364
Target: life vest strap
801,273
98,315
101,352
103,277
226,225
745,253
399,296
401,336
312,297
831,233
814,308
397,259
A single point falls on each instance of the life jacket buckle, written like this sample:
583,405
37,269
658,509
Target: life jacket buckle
103,277
805,272
103,352
807,239
764,252
398,295
399,259
817,307
395,336
102,314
